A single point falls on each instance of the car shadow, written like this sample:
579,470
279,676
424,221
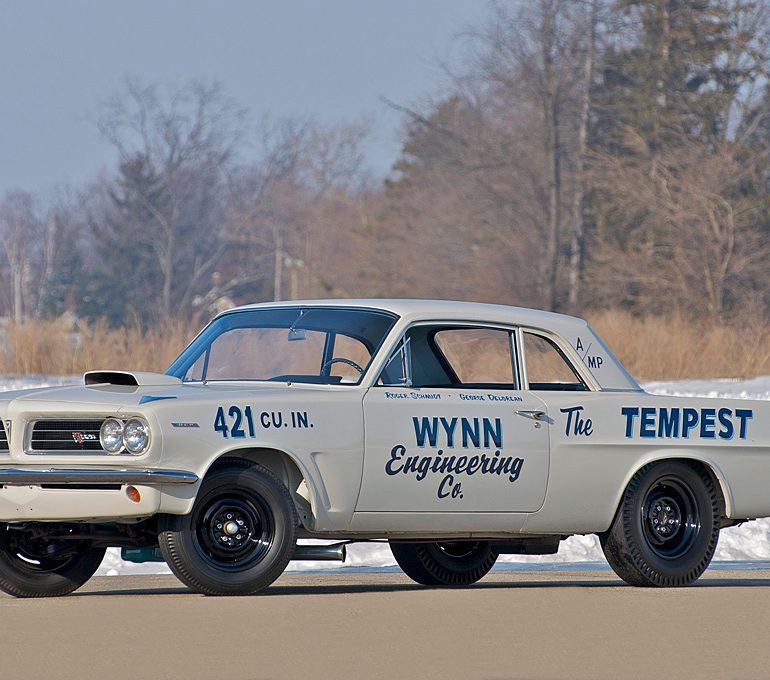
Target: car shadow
288,590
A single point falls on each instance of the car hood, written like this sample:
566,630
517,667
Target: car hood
107,396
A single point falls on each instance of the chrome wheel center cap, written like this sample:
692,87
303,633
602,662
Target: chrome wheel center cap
231,528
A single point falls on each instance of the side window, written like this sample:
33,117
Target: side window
547,367
454,357
478,356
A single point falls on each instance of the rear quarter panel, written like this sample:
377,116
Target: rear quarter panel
600,439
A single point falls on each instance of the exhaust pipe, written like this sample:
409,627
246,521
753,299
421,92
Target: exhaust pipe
335,551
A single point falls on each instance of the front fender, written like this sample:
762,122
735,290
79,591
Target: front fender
300,474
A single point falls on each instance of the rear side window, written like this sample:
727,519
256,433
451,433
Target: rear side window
547,367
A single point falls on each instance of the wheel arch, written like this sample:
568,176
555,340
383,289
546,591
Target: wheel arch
710,466
283,465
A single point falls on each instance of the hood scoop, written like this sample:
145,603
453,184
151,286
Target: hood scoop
130,378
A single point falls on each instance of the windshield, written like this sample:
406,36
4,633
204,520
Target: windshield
291,344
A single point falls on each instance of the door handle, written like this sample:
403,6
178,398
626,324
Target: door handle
535,414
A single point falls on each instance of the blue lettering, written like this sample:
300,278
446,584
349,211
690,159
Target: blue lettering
426,428
396,454
449,428
471,433
647,424
725,420
445,483
743,414
668,422
708,423
689,421
630,412
577,425
496,434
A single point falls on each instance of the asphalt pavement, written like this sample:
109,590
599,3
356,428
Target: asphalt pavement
341,625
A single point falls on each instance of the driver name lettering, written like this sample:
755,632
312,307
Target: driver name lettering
412,395
453,433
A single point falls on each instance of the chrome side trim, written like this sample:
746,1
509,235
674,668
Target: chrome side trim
16,477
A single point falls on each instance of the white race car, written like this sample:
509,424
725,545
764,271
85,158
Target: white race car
455,431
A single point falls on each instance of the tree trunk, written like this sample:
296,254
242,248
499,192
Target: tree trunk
278,273
17,275
577,227
167,268
553,156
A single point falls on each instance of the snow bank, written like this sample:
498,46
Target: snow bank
748,542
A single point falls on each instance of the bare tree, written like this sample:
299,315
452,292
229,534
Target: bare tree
173,152
694,244
277,205
29,243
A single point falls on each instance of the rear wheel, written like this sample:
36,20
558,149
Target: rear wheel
239,536
667,527
459,563
34,565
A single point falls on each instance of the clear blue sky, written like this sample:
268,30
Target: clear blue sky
333,59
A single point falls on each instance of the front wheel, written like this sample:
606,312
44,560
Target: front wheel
35,564
458,563
239,536
667,526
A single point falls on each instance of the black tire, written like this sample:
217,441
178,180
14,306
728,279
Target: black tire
33,566
213,559
445,564
667,526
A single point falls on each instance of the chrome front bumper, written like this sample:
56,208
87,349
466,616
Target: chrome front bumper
85,477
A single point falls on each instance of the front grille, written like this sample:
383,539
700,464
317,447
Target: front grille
66,435
3,437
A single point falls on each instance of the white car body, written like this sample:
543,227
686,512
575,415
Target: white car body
372,460
456,431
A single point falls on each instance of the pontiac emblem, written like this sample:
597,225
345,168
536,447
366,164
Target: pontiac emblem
81,437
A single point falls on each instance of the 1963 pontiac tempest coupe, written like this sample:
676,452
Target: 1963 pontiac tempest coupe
455,431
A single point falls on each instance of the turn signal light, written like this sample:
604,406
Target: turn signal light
133,494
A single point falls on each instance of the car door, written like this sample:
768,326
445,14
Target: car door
448,430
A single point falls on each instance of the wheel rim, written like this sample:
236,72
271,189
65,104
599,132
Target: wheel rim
670,518
35,554
234,531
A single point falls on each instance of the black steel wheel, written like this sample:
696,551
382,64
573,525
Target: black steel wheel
34,563
239,536
667,527
458,563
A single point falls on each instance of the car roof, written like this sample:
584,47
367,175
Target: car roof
584,344
419,308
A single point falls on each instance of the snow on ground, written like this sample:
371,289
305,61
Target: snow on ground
748,542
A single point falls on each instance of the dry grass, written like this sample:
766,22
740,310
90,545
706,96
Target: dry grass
50,348
652,348
671,347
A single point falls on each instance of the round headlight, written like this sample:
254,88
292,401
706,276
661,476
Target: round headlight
136,435
111,436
